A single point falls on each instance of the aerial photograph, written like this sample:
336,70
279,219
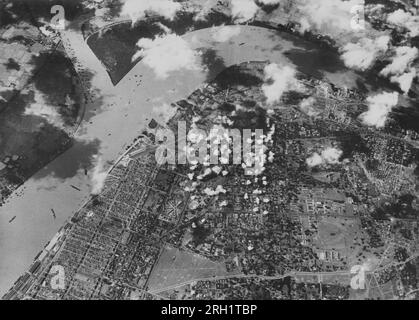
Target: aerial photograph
224,152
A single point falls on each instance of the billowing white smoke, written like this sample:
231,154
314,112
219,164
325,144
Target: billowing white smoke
331,155
405,20
282,78
328,156
243,10
225,33
362,55
137,9
379,107
166,54
307,106
98,177
401,69
315,160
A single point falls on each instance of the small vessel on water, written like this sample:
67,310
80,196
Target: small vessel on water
53,214
11,220
75,188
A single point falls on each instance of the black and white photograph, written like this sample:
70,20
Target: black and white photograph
206,156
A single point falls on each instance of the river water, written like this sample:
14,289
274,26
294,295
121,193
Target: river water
116,117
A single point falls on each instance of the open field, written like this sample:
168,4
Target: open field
175,267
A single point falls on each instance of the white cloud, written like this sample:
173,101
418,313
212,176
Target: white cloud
225,33
400,70
283,79
379,106
42,109
137,9
98,177
402,60
405,80
304,25
166,54
362,55
243,10
330,16
406,20
328,156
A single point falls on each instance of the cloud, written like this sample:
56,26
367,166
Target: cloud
362,55
98,177
282,79
328,156
402,60
42,109
405,80
304,25
406,20
165,28
166,54
379,106
225,33
137,9
328,15
243,10
400,70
